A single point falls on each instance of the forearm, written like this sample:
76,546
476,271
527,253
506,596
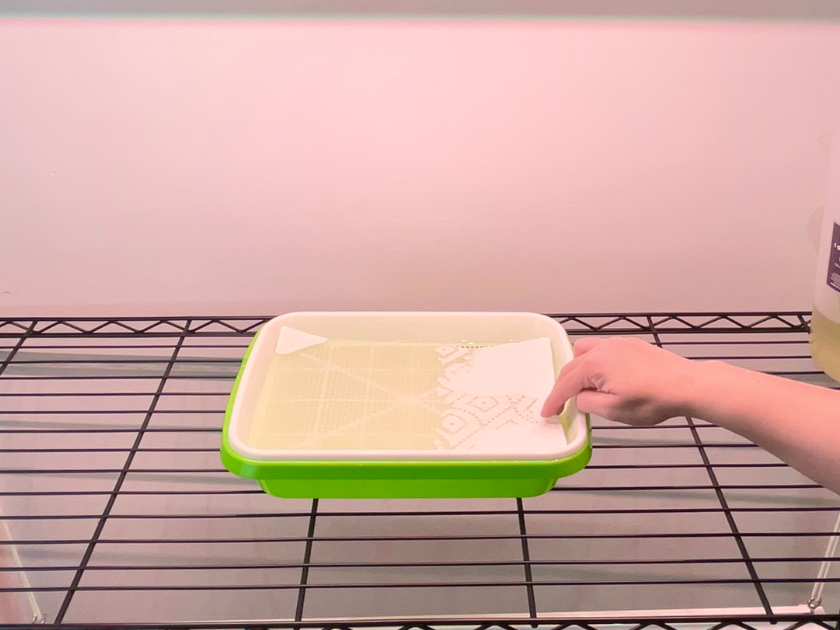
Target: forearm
796,422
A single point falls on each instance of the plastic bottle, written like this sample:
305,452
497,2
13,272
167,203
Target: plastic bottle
825,322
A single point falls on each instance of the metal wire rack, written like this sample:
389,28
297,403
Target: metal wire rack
116,511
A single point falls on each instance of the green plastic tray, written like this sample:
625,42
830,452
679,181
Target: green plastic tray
397,479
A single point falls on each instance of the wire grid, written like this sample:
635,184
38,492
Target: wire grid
118,511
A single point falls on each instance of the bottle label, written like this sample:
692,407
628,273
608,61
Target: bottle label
834,260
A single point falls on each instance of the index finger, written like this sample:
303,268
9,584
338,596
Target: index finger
585,344
573,379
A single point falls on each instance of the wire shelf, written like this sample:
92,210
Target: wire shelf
116,511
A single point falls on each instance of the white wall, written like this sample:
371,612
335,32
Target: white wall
151,166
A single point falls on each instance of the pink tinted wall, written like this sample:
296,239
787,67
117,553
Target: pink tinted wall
264,166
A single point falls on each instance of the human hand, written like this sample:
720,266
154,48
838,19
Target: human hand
624,379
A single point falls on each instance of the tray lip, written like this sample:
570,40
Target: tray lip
239,450
462,471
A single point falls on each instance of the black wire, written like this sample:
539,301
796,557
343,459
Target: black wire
257,492
724,504
412,585
553,622
409,565
109,505
427,538
307,556
263,515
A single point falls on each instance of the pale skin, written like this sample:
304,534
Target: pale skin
631,381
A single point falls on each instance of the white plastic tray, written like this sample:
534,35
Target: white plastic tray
377,386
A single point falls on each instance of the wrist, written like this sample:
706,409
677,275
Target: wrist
704,378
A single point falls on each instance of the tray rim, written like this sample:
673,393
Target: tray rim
237,450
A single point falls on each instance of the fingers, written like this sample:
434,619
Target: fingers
584,345
564,371
599,403
573,378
